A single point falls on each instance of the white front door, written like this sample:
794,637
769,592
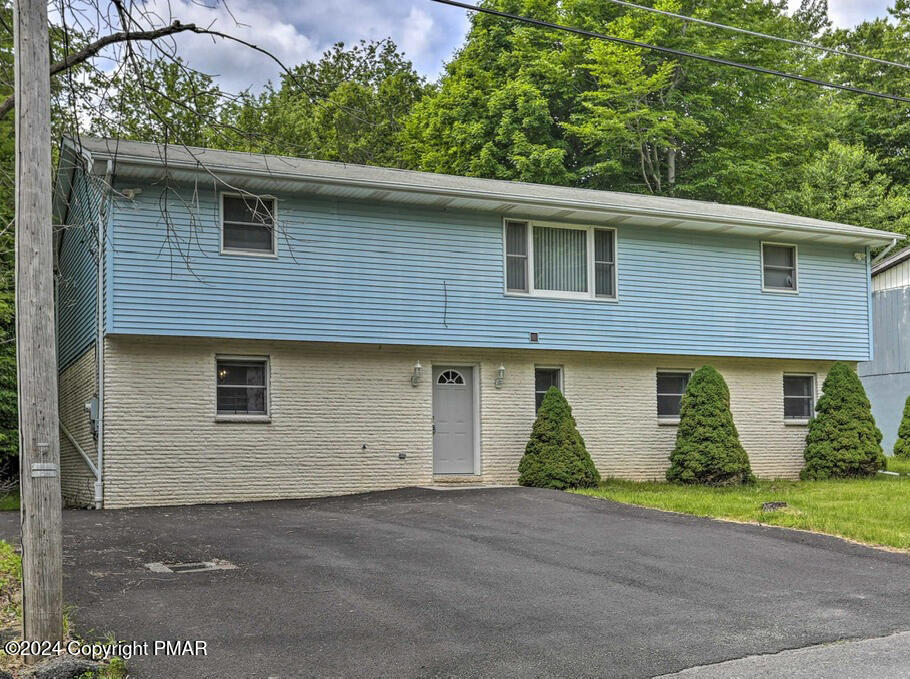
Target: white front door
453,420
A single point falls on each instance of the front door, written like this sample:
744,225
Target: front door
453,420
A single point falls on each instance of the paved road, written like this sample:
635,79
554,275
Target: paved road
493,582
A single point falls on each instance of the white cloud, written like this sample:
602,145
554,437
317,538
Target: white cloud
849,13
236,66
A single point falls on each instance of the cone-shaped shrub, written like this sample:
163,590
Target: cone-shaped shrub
556,456
707,449
902,445
843,440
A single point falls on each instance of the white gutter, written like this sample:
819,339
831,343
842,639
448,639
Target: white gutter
506,197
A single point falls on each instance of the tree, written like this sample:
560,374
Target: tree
708,450
847,183
902,445
164,101
843,440
555,456
353,109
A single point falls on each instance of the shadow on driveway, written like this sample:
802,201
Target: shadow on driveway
492,582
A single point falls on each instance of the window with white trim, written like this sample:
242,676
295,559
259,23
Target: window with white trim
556,260
799,397
671,386
247,224
779,267
242,386
544,378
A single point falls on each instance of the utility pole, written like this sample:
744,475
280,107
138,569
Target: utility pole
39,438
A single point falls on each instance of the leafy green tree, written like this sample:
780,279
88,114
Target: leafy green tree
708,450
555,456
843,440
847,183
902,445
349,106
162,101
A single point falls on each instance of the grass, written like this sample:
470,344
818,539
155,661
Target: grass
873,511
9,502
900,465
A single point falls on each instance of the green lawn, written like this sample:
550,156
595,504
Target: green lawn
874,511
900,465
9,502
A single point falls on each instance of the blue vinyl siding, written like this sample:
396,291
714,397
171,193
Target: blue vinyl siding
77,271
383,273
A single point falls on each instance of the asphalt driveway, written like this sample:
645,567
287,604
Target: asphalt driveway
492,582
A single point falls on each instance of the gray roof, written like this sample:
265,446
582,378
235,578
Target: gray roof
269,173
891,261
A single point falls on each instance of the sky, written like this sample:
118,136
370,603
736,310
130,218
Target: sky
299,30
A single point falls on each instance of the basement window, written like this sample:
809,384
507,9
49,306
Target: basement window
544,378
799,398
247,224
242,387
671,386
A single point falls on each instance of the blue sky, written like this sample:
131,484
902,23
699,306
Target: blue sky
296,30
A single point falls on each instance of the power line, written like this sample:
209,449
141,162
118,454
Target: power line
670,50
705,22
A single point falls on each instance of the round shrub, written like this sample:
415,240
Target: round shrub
707,449
902,445
843,440
555,456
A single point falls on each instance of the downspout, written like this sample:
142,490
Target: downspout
99,343
881,255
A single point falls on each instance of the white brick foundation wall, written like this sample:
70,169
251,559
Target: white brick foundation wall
76,387
163,446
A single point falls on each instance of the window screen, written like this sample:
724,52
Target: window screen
544,378
604,263
516,257
670,389
799,397
241,387
248,224
779,263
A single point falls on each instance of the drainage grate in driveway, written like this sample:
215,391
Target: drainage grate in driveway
190,567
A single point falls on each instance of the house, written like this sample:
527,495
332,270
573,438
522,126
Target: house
886,378
247,327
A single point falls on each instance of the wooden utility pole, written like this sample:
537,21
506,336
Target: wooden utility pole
39,439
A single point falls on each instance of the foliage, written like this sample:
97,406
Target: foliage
707,449
901,465
843,440
162,101
902,445
555,456
875,511
349,106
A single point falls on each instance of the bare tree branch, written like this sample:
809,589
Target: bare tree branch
92,49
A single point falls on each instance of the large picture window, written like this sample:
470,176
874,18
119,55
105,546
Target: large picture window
553,260
247,225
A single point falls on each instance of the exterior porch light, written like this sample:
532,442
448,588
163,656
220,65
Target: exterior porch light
500,376
415,376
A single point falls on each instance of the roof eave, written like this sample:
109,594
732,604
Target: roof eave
862,235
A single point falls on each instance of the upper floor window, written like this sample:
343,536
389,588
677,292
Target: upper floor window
778,267
544,378
247,224
242,386
671,386
799,397
551,260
